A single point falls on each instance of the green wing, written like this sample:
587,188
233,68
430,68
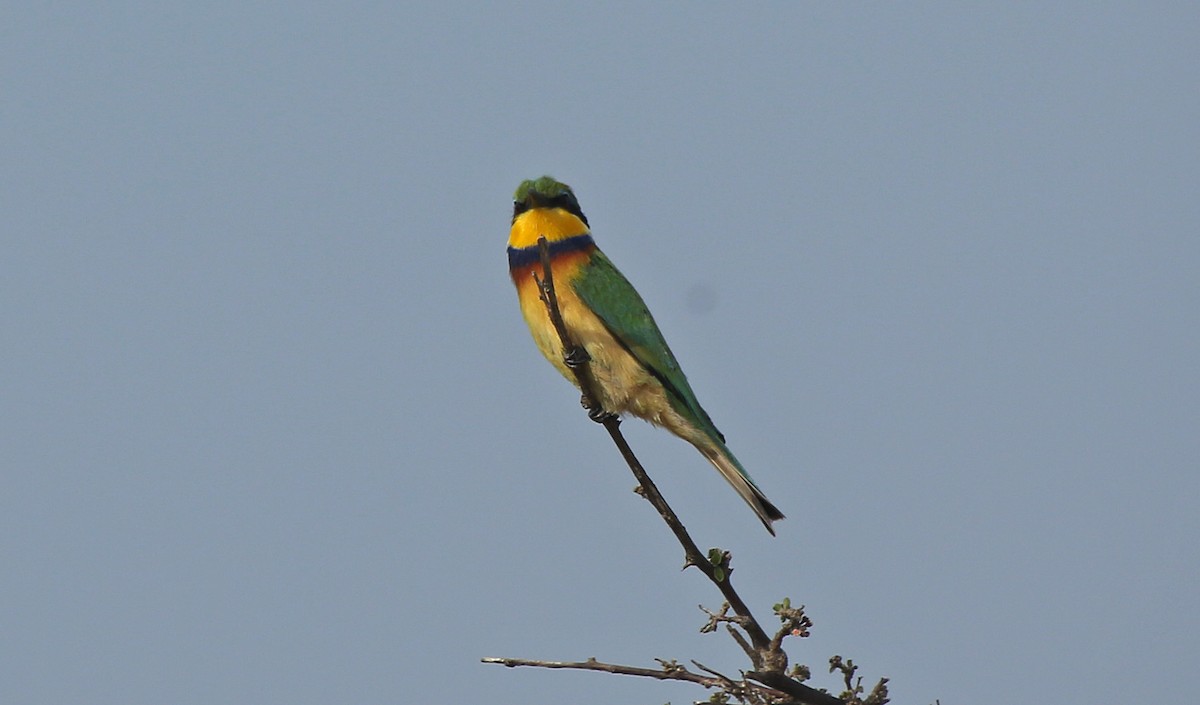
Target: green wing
614,300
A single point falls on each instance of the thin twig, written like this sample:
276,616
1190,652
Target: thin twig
724,678
669,672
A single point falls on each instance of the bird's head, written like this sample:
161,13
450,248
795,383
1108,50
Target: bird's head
546,192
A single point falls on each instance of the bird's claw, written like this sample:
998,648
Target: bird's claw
601,416
596,412
576,357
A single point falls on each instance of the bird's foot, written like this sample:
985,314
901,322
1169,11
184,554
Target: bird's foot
596,412
601,416
576,357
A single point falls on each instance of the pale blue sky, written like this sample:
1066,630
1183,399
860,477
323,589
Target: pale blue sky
273,431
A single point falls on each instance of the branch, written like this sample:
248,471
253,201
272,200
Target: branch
670,670
766,653
767,656
577,359
743,689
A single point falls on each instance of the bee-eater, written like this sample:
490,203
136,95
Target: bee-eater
630,361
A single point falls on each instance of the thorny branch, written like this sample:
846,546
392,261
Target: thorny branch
769,659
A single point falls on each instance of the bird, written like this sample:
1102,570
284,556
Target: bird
634,370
